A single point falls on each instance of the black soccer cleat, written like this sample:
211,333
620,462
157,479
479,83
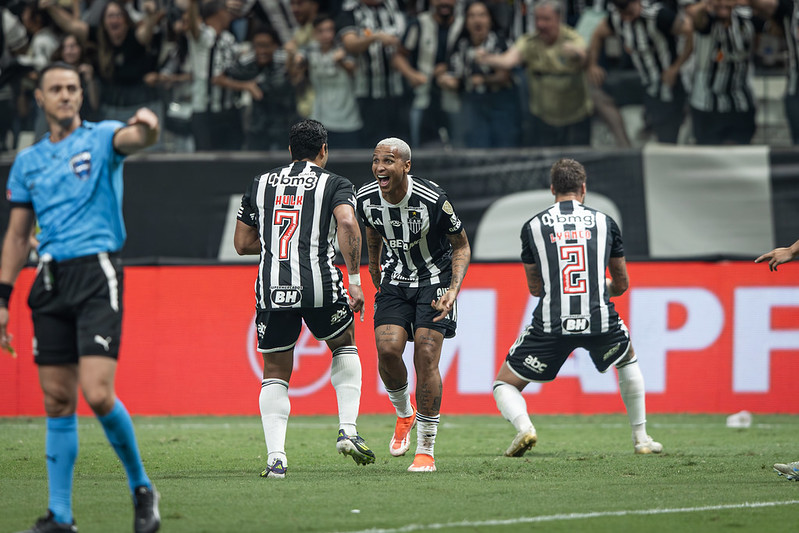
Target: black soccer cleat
47,524
147,518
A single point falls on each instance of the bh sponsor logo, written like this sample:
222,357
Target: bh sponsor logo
285,296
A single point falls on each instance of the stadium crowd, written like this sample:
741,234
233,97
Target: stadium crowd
235,74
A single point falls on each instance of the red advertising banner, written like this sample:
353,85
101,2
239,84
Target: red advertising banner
711,338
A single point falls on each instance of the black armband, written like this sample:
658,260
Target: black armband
5,294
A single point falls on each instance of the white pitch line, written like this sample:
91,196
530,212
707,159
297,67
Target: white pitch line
574,516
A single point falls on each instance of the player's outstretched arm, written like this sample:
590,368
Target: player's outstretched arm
461,255
778,256
142,131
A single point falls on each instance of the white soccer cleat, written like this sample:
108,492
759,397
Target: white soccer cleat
790,470
648,446
523,441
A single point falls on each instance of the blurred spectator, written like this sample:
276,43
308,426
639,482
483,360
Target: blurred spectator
276,14
175,80
423,55
126,53
72,52
722,102
554,57
488,96
43,42
43,38
264,75
786,13
216,121
305,12
370,30
650,32
331,72
13,42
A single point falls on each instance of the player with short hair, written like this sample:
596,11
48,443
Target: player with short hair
71,181
425,254
566,250
291,216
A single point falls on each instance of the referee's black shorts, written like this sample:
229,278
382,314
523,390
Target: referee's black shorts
77,308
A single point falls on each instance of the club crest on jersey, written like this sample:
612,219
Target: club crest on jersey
81,165
414,221
575,324
286,295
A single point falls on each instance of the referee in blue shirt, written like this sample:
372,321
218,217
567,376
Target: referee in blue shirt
71,181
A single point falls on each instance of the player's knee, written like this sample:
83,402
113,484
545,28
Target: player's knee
59,403
100,399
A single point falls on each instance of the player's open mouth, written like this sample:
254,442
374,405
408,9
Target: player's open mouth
383,180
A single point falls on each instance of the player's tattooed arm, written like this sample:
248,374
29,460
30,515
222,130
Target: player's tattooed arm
461,255
534,282
374,245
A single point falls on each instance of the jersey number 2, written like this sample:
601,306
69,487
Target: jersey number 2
290,219
574,272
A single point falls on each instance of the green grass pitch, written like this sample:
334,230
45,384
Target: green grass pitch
582,476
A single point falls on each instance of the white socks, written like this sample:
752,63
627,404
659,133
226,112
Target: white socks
631,386
275,408
345,376
512,405
426,429
401,400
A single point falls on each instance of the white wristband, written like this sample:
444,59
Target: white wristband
355,279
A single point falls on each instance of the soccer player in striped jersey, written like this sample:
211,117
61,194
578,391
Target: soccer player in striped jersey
411,225
566,251
291,216
71,181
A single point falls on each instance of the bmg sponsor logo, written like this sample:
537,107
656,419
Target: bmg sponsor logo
585,219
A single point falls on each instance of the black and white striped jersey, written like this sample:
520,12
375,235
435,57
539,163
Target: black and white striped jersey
292,208
416,251
375,77
650,43
788,15
572,245
722,57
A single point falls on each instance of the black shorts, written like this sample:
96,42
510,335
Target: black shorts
77,309
538,357
713,127
279,330
411,309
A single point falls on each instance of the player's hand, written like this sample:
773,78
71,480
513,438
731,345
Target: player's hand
355,299
145,117
776,257
444,305
5,336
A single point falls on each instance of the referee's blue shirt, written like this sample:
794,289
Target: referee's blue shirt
75,188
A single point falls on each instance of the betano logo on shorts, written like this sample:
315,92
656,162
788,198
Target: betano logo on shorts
586,219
